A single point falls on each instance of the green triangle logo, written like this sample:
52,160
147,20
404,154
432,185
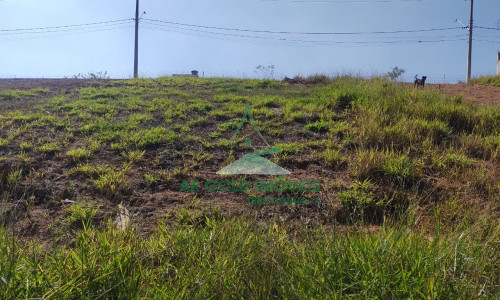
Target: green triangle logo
253,163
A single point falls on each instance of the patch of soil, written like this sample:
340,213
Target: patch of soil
481,95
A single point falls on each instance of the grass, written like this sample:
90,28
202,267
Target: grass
236,258
487,80
81,214
50,147
409,195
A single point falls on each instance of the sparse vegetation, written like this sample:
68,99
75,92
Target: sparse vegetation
487,80
408,207
81,213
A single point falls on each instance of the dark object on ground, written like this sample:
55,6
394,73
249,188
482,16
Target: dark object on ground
419,82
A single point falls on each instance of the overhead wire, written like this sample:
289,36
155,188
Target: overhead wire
53,34
63,26
205,33
487,28
227,33
301,32
75,29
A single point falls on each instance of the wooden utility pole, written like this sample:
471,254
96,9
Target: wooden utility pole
136,48
470,42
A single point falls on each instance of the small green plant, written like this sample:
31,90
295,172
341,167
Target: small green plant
229,125
150,179
111,182
78,154
333,157
81,213
71,189
133,156
25,146
153,137
3,142
215,135
319,126
399,168
359,197
290,148
14,177
22,156
50,147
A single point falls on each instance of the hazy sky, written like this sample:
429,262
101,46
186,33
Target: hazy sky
308,43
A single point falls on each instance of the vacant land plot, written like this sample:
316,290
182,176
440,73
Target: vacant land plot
407,204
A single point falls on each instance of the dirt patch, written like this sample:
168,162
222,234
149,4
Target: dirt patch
481,95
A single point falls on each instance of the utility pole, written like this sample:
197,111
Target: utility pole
470,41
136,48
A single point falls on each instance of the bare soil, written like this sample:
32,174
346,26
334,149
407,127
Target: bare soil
481,95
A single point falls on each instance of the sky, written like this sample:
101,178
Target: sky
231,38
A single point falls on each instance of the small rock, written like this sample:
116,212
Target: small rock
123,217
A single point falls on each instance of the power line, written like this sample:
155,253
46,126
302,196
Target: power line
60,29
63,26
282,39
303,33
65,33
486,41
240,37
489,28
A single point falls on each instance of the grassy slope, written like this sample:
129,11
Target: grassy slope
488,80
424,162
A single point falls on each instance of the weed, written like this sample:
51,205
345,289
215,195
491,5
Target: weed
111,182
487,80
25,146
133,156
333,157
80,214
150,179
3,142
359,196
23,157
14,177
319,126
78,154
50,147
152,137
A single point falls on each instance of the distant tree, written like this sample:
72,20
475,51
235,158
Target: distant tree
266,72
395,73
97,75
